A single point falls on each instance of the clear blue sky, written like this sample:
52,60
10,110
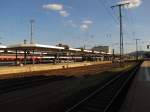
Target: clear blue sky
76,23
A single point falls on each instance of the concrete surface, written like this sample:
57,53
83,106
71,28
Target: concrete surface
42,67
138,97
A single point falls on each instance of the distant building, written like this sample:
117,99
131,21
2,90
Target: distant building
105,49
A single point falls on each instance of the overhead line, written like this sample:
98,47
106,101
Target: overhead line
128,22
108,11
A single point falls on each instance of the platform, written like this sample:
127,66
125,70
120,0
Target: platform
11,71
138,97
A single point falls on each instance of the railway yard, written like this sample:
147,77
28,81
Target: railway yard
74,56
43,78
64,90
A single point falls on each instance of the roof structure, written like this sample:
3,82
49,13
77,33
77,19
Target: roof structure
38,47
88,51
3,47
41,47
76,50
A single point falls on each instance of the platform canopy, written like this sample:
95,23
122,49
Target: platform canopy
75,50
2,47
36,47
47,48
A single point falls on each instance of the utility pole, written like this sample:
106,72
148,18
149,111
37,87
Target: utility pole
121,28
137,54
113,55
31,33
0,39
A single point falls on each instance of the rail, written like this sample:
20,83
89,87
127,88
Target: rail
107,98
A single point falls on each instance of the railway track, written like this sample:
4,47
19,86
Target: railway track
12,84
107,98
8,85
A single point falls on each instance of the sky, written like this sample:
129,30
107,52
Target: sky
75,22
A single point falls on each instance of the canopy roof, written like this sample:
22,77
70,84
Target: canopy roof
41,47
38,47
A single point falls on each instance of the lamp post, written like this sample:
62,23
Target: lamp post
31,33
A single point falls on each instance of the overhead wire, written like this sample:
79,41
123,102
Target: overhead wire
108,11
107,6
127,22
